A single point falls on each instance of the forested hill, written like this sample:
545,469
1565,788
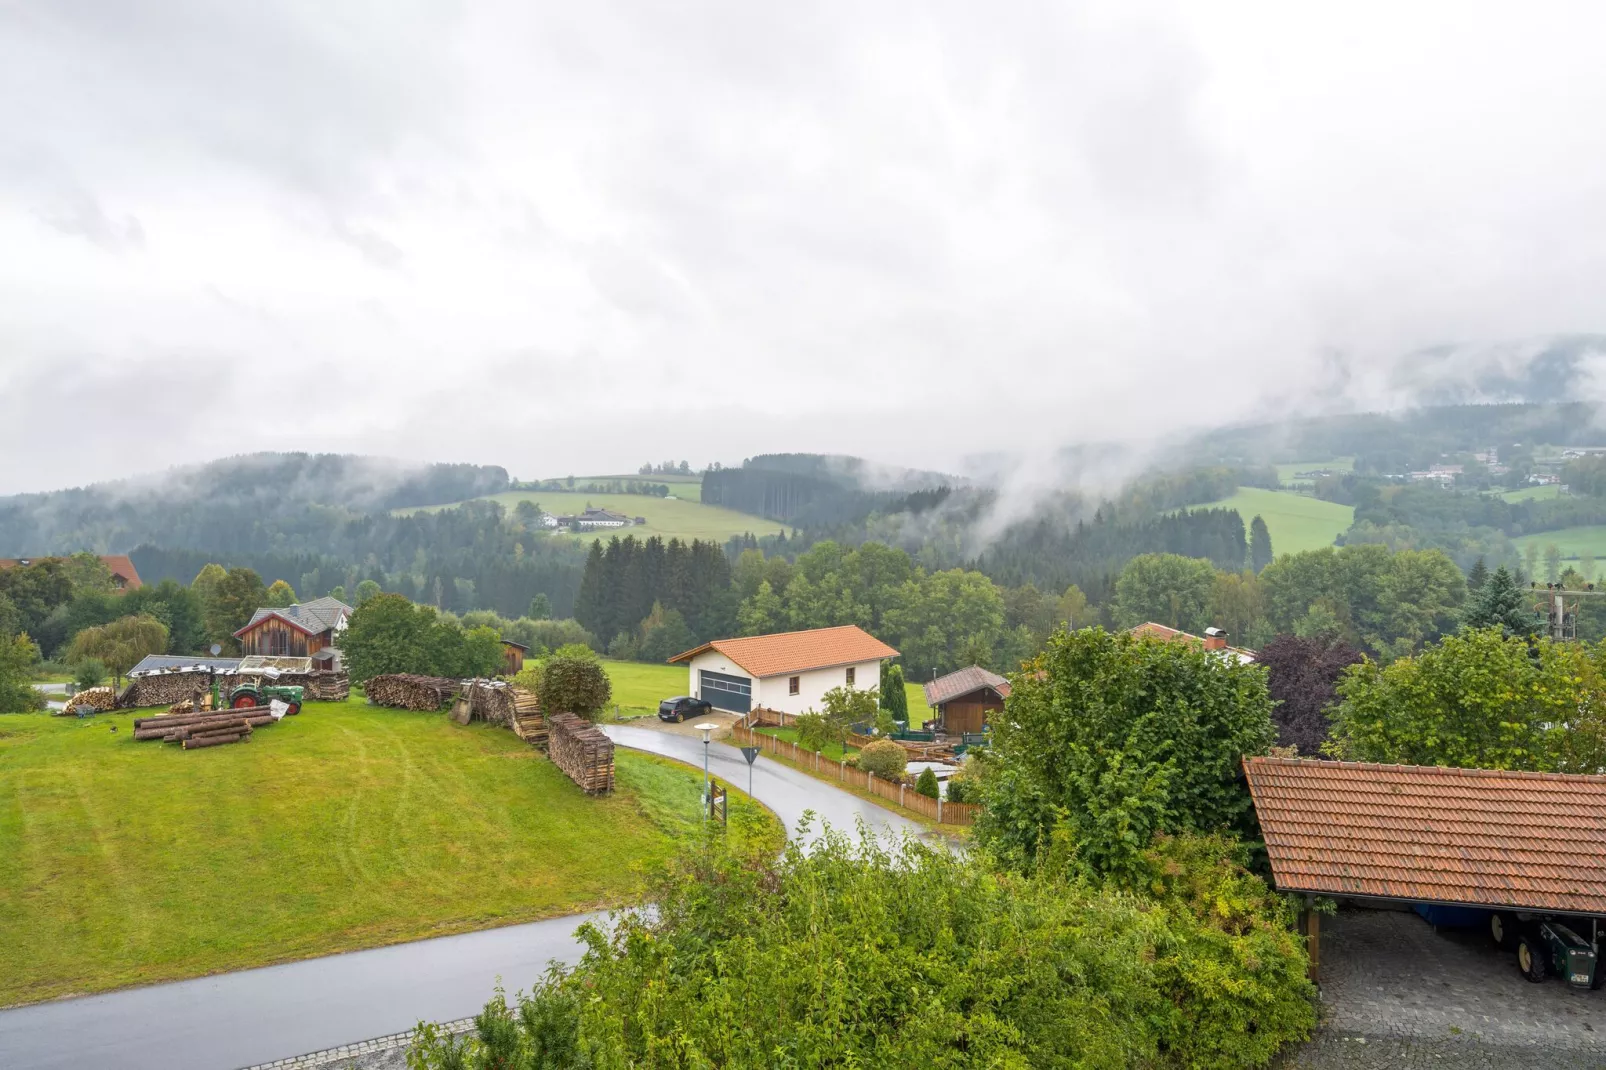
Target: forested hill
816,490
215,504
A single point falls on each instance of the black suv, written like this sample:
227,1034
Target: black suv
678,709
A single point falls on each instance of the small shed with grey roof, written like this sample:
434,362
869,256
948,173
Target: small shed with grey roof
964,699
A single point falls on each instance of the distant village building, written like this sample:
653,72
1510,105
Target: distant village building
124,577
298,631
592,519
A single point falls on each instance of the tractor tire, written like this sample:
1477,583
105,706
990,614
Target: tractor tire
1503,930
1531,958
243,702
295,708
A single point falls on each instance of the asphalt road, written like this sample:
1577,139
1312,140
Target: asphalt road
255,1016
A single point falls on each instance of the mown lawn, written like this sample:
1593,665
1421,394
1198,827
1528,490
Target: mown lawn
346,827
1549,492
638,686
1296,521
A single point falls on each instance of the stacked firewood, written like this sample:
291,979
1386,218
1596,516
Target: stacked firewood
188,705
405,691
581,750
328,686
526,721
102,698
163,688
194,731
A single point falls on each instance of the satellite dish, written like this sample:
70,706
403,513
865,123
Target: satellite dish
216,649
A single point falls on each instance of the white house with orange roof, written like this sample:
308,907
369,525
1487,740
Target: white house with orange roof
789,672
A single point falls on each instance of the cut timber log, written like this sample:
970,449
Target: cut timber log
406,691
582,751
163,688
212,741
102,698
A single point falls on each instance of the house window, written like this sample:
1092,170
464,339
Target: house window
850,675
794,684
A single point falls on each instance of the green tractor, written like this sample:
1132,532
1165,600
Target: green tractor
254,693
1548,945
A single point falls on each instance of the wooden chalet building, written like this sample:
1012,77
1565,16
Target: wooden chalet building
298,631
965,699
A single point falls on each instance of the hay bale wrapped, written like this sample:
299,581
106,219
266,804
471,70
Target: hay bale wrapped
405,691
582,751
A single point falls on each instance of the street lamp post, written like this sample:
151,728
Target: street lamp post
707,729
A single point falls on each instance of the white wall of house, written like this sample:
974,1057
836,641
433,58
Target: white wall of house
774,692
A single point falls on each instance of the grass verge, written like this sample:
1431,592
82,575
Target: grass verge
347,827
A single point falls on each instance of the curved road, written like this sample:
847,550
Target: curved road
255,1016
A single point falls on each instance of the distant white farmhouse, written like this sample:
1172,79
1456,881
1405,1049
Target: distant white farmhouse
592,519
789,672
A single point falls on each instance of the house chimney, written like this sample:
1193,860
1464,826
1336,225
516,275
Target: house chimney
1215,639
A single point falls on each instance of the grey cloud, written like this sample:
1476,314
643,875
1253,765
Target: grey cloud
77,213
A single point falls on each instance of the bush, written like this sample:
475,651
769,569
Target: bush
623,647
91,672
950,964
926,783
815,732
962,789
884,758
574,685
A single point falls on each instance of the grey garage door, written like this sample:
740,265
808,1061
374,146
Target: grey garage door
733,693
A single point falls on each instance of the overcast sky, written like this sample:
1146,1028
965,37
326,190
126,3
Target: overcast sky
570,237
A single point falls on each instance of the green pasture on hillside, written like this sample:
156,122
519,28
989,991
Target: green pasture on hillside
1534,494
1285,472
667,517
1296,521
346,827
1589,538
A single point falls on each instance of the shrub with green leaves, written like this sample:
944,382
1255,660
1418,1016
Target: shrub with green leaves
815,731
91,672
574,685
884,758
926,783
898,955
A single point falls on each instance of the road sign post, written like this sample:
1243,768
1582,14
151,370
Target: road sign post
751,754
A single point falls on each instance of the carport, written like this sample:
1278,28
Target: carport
1489,839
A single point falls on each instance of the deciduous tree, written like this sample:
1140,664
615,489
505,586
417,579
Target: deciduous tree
1168,589
279,595
574,685
121,644
1302,677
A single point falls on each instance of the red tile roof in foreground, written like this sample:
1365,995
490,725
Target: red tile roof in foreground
789,652
1475,836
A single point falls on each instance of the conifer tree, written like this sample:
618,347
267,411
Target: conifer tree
1478,576
1501,603
1260,554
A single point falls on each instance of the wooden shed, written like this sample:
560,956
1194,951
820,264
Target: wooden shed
965,699
513,655
297,631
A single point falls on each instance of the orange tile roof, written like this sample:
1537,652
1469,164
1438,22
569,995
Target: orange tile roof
1475,836
789,652
119,564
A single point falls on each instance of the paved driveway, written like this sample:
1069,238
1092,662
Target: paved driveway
1397,993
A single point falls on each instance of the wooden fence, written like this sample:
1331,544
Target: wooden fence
945,813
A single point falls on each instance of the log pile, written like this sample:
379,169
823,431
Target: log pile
581,750
527,722
328,686
102,698
195,731
404,691
188,705
163,688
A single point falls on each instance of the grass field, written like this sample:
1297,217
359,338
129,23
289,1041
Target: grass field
1590,539
349,826
1296,521
638,687
1285,472
668,517
1533,494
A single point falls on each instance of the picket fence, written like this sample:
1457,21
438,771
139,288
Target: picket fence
944,813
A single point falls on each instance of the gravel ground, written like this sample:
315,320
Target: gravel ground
1397,993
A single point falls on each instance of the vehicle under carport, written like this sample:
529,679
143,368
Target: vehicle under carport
1528,850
